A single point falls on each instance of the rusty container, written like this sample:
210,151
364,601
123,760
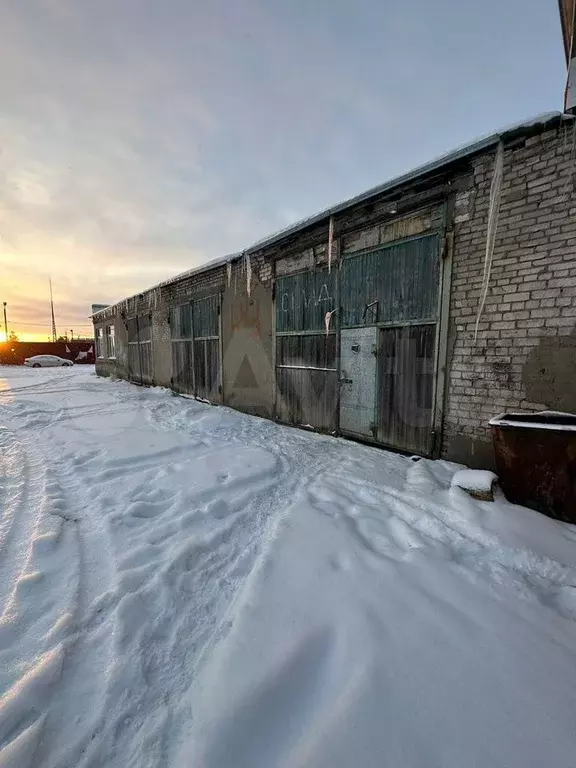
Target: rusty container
536,461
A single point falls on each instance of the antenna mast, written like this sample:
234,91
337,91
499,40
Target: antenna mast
54,336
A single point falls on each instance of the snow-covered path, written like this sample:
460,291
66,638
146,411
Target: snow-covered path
183,585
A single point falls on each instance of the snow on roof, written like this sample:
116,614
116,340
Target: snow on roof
213,264
464,151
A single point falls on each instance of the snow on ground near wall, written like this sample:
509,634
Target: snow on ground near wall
183,585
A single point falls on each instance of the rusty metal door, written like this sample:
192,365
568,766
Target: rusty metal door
358,351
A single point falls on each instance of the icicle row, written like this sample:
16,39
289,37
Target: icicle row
572,157
493,212
248,273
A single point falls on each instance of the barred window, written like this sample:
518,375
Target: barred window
100,343
111,341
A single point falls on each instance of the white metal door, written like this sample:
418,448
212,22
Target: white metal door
358,350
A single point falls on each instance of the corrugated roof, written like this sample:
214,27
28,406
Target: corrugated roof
462,152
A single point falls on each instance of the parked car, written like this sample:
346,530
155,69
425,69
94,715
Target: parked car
47,361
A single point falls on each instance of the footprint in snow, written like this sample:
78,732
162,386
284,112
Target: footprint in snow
403,535
564,601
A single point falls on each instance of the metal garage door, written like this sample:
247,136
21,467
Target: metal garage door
195,330
390,301
139,348
306,354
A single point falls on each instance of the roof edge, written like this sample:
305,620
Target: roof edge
467,150
221,261
443,161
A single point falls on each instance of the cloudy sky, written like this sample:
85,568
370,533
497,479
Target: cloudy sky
140,138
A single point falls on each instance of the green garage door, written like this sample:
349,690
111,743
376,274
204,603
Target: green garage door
394,290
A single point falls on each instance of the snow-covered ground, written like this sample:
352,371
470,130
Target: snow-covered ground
183,585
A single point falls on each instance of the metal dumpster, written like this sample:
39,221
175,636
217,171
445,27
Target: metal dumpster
536,461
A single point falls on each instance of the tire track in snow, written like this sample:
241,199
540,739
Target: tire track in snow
39,385
71,725
31,651
225,562
22,493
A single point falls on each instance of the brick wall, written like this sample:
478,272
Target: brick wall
525,354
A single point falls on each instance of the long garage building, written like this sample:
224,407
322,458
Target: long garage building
407,316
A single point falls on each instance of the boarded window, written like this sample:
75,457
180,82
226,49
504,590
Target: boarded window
206,317
144,328
100,343
181,322
132,330
395,284
110,341
302,300
317,351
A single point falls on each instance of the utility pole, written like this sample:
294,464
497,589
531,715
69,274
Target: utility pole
71,334
54,336
5,321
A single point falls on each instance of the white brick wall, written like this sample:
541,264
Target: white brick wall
524,355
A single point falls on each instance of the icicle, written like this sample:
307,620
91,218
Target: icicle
493,211
248,273
229,272
572,157
327,320
330,241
